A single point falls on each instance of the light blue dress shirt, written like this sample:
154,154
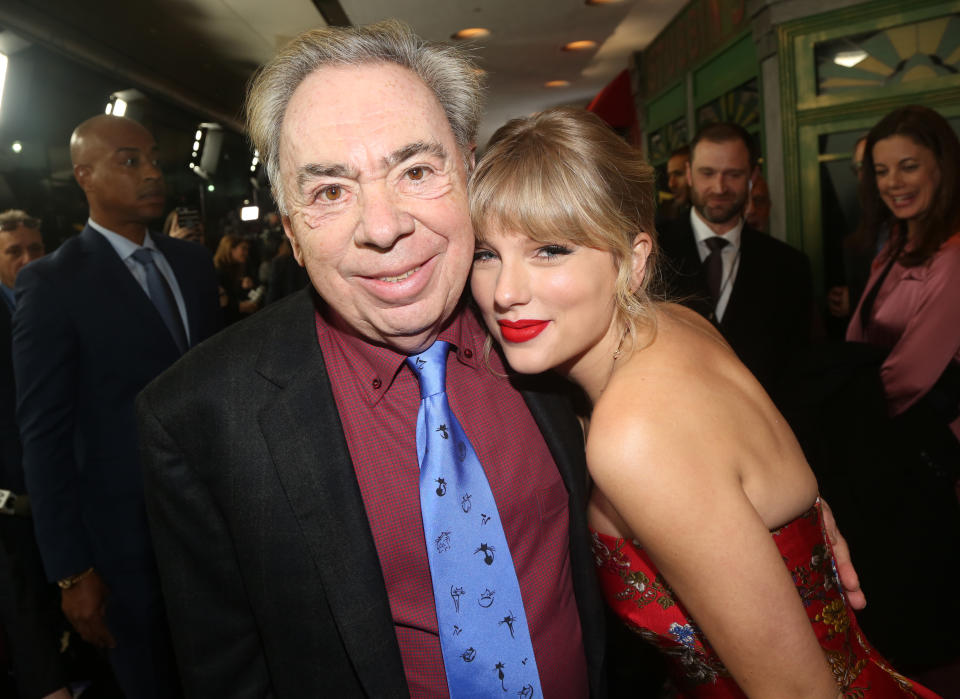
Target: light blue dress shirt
125,248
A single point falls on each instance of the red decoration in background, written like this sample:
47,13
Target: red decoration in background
614,104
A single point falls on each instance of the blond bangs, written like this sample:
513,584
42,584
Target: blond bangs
532,192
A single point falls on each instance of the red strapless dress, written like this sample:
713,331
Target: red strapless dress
640,596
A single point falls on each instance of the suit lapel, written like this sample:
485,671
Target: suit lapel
302,431
745,286
563,435
178,263
114,286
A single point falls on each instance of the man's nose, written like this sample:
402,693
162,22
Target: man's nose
152,171
383,219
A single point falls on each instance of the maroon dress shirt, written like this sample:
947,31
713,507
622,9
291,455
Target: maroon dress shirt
378,397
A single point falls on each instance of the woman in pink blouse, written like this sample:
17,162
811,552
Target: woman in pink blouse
912,301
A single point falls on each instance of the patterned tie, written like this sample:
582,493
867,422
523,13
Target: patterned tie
713,266
483,627
162,296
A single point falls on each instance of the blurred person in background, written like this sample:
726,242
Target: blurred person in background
96,321
910,316
34,622
912,301
237,285
184,223
678,184
757,213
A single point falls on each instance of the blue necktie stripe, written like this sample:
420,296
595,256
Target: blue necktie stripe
483,627
162,296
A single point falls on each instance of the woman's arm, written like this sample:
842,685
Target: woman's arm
661,474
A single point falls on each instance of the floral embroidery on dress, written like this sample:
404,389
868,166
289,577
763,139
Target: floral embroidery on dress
630,583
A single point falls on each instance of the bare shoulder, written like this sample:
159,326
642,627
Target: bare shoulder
673,401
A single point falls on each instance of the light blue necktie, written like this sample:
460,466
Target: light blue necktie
162,296
483,627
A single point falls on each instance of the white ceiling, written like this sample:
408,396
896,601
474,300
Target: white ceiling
201,52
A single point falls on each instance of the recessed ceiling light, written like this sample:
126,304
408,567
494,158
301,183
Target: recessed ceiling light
583,45
848,59
557,83
471,33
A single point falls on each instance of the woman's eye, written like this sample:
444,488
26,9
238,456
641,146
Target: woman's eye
482,255
331,193
553,251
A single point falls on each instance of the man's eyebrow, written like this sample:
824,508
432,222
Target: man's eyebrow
312,171
419,148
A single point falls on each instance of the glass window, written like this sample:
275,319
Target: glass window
895,56
741,105
667,139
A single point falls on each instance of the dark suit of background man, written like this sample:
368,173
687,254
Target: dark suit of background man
762,300
87,337
280,457
32,621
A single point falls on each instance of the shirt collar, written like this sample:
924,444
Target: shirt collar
702,231
376,366
124,246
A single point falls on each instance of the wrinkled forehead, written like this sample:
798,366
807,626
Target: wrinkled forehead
345,114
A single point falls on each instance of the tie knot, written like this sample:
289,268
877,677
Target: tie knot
715,242
430,366
144,256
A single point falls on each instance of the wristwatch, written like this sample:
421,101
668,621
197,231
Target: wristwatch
67,583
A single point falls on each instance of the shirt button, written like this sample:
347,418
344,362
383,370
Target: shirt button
468,353
377,384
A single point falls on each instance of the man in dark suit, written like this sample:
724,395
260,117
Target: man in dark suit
95,322
32,623
757,290
280,458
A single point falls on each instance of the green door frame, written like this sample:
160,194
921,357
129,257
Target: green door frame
806,116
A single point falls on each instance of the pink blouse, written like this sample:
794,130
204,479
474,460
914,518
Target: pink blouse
917,314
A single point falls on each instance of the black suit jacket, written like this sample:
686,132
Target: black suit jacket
769,315
11,470
270,573
86,339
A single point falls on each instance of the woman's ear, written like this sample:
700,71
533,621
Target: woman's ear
642,246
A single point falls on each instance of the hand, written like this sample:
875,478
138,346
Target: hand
85,605
192,233
838,301
841,556
246,283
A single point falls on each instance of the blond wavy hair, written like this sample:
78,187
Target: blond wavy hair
563,175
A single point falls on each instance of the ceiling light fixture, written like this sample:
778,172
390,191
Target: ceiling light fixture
583,45
471,33
848,59
557,83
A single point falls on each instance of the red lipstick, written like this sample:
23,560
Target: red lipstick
521,330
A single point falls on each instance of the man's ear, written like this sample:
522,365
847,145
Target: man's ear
292,237
642,246
82,174
472,159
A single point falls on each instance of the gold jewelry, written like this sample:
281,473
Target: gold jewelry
67,583
616,355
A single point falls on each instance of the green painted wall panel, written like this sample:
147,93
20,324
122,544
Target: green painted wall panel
729,68
671,105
